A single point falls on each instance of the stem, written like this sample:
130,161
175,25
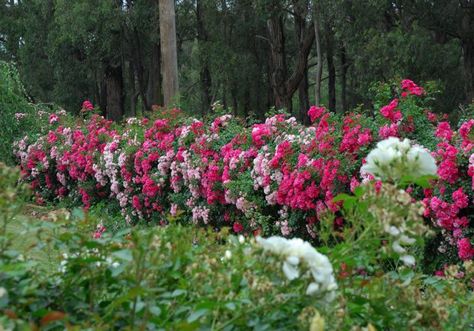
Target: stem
139,278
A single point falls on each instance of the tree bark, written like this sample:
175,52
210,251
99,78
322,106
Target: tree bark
344,66
153,93
468,55
300,28
283,87
279,73
132,88
103,95
301,64
140,70
331,68
114,83
319,56
168,51
205,73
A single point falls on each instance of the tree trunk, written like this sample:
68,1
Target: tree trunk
344,65
168,51
468,56
132,89
319,56
283,87
304,99
279,74
205,74
154,95
140,70
331,69
300,28
103,95
114,83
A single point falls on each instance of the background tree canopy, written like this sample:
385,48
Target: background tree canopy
249,55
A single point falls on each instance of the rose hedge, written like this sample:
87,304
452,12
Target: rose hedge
272,177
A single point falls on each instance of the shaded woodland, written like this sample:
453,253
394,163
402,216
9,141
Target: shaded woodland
127,56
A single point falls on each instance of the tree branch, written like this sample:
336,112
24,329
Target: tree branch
295,79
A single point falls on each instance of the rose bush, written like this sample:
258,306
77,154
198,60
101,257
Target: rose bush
275,177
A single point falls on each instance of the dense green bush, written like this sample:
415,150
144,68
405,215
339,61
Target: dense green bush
185,278
18,116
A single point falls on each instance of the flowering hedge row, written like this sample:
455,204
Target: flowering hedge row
272,177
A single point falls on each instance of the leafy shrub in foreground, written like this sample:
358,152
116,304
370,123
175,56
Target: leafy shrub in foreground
177,278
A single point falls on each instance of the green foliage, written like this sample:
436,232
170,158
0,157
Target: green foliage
63,48
18,117
190,279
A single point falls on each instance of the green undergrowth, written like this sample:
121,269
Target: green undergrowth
55,275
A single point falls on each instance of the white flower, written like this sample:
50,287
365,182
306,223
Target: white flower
297,251
407,240
393,230
291,271
408,260
421,161
228,254
312,289
3,292
394,158
397,248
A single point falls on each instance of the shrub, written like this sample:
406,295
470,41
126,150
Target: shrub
18,116
273,177
178,277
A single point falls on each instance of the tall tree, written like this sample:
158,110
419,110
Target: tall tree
331,67
283,84
300,13
319,56
169,51
249,54
453,19
205,73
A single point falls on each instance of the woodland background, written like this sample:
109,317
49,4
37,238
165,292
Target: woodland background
249,55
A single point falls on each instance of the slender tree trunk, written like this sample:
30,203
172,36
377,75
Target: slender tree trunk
331,68
344,65
279,74
319,56
300,28
154,95
283,86
468,56
103,95
205,73
247,98
140,70
224,95
114,83
258,89
168,51
235,104
304,99
132,89
467,44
